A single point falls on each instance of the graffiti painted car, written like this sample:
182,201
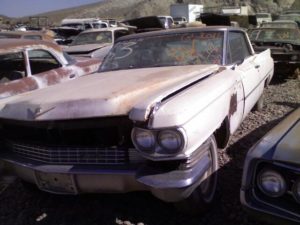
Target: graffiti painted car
152,119
26,65
284,44
271,179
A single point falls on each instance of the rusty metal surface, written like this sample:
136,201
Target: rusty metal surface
40,80
22,34
101,94
11,45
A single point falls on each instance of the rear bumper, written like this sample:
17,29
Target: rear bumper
169,186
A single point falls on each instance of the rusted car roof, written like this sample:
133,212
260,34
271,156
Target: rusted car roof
28,72
21,34
10,43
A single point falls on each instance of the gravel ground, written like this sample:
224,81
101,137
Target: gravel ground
20,206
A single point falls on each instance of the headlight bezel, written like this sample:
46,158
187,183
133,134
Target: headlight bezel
263,189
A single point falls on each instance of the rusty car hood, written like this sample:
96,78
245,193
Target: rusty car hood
85,47
102,94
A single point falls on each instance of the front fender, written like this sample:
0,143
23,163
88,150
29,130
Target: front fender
200,109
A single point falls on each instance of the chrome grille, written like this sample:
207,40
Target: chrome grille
74,155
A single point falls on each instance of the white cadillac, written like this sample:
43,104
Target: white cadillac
152,119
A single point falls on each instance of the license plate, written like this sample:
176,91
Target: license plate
56,182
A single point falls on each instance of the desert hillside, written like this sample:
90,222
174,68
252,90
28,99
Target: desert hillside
121,9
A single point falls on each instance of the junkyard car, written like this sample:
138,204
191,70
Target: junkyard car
27,65
271,179
152,119
96,42
284,44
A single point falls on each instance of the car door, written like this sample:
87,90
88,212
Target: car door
13,72
47,69
240,55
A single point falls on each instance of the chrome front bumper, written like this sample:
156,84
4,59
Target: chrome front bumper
169,186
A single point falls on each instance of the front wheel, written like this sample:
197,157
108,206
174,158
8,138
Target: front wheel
204,195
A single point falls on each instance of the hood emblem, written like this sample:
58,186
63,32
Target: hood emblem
34,113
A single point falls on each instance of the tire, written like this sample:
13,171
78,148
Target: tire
259,105
204,195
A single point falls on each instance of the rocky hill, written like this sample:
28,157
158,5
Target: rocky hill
121,9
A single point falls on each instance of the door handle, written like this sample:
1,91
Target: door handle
257,66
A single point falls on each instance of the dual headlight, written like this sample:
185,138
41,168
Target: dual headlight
273,184
158,141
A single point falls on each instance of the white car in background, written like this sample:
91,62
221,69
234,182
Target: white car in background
263,17
95,43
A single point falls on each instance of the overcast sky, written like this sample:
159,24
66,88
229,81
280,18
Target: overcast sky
19,8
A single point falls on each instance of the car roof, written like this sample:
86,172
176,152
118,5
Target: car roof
104,29
23,32
179,31
7,44
44,35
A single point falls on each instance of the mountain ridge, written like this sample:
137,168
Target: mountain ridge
127,9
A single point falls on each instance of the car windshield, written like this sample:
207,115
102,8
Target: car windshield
289,35
93,38
179,49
